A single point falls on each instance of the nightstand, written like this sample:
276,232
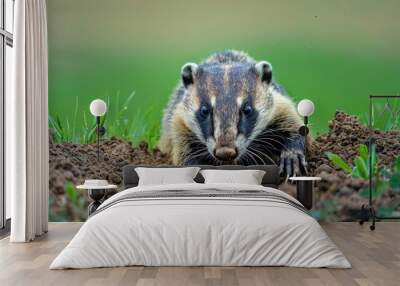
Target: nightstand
304,186
98,190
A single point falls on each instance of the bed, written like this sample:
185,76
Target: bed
198,224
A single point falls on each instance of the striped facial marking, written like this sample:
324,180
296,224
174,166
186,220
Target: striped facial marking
227,113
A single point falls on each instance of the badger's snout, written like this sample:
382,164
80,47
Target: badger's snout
225,148
226,153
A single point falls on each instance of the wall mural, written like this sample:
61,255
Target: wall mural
217,83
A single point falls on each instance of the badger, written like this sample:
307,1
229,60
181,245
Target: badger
229,110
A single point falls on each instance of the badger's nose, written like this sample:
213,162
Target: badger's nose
226,153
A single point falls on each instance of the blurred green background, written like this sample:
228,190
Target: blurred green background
335,53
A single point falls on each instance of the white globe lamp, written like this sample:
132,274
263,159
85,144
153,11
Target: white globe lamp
98,108
305,107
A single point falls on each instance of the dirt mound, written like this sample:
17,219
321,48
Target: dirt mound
345,136
74,163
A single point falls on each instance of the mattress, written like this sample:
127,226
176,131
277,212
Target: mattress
201,225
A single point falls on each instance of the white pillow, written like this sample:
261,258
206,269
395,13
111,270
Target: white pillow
166,176
248,177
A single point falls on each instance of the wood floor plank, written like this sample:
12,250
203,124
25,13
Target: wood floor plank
375,258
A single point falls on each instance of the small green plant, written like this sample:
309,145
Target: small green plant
383,178
361,162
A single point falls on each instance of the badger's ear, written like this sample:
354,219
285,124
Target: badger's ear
264,69
187,72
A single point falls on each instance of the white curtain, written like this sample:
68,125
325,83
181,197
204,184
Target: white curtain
27,127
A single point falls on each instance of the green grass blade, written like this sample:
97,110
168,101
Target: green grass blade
67,131
74,119
54,127
361,167
389,123
363,152
129,98
374,160
60,128
339,162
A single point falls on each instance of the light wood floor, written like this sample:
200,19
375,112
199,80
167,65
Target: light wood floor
375,257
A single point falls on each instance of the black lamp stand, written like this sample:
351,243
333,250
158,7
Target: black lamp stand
305,187
100,131
304,190
97,195
303,131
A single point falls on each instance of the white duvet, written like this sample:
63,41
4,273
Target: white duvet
201,231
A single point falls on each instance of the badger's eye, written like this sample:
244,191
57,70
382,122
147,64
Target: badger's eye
247,109
204,111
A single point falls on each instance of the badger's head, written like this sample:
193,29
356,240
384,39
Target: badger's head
228,105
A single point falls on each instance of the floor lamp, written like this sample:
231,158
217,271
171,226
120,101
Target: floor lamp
306,109
304,184
98,108
367,210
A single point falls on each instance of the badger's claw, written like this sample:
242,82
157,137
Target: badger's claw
292,162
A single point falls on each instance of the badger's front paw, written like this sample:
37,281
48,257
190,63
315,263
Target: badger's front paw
292,162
